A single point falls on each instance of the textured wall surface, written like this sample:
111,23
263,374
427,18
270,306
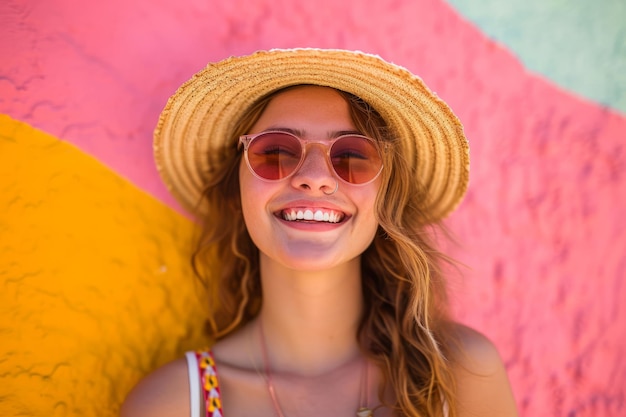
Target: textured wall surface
579,45
541,231
91,292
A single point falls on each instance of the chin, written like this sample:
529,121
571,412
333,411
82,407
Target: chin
311,259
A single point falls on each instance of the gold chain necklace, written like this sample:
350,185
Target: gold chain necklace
363,411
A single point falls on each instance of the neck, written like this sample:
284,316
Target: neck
310,319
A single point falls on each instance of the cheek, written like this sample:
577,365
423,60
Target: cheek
253,196
246,194
367,203
368,199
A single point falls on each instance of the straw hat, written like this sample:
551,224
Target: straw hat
193,130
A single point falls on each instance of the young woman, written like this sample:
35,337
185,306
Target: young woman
318,175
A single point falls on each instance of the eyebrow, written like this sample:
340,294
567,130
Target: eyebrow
301,133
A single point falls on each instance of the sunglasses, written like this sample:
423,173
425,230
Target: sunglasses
276,155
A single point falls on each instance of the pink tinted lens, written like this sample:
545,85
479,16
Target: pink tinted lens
274,155
355,159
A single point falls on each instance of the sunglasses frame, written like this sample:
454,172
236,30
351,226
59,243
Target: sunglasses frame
246,140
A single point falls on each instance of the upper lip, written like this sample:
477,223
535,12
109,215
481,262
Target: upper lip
311,204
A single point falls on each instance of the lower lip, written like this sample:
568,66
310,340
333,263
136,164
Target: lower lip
311,226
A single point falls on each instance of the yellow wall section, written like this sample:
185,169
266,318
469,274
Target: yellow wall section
95,284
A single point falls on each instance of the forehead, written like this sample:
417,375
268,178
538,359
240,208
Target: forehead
307,108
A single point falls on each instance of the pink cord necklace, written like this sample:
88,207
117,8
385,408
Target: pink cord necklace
363,411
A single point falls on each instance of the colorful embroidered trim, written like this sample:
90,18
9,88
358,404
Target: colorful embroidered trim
210,386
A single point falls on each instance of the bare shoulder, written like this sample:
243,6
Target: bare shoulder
475,353
483,387
163,393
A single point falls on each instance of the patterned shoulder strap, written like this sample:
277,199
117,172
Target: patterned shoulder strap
206,373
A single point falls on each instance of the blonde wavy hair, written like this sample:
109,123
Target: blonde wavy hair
404,329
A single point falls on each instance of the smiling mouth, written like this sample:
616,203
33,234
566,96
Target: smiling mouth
311,215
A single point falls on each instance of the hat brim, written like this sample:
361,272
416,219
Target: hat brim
200,117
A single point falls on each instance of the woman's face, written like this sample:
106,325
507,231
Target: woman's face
318,114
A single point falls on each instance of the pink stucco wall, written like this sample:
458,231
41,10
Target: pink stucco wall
542,231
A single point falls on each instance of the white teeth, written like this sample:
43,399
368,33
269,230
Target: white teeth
318,215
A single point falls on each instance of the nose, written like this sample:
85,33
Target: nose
315,175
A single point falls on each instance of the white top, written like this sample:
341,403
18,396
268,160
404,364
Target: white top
194,384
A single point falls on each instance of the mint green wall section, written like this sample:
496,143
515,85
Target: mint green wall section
578,44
